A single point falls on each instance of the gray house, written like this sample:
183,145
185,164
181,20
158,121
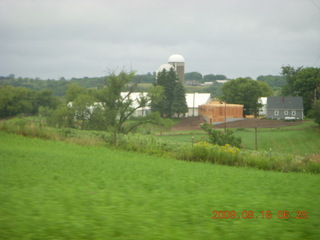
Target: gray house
286,108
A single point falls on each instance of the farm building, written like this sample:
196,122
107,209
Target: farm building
194,100
219,112
284,108
134,97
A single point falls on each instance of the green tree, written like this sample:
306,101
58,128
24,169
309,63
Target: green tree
289,73
193,76
168,81
302,82
179,104
73,91
275,82
156,93
114,108
20,100
215,89
307,80
61,117
317,112
44,98
171,79
82,106
246,91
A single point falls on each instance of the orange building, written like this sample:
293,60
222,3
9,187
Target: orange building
219,112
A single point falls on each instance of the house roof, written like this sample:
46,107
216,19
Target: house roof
195,99
285,103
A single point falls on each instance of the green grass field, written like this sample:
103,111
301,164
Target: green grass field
55,190
302,139
295,141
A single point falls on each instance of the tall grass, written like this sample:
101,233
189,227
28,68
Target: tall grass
34,128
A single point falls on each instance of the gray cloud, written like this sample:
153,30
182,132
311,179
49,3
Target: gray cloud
50,39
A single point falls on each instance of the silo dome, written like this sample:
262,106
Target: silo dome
165,66
176,58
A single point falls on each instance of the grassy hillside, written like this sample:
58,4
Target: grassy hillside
56,190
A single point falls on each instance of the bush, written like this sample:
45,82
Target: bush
221,138
311,114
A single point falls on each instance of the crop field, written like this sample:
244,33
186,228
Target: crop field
57,190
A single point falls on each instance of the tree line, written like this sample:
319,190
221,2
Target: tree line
303,82
166,93
20,100
59,87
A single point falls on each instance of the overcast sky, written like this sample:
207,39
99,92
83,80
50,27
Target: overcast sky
77,38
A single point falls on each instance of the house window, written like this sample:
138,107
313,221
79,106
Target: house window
276,112
293,113
286,112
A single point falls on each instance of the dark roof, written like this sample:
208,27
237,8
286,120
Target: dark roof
285,102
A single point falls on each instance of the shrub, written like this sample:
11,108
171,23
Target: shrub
221,138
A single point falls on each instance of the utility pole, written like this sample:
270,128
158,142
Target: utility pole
225,117
225,114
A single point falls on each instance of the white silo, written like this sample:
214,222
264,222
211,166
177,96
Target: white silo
177,61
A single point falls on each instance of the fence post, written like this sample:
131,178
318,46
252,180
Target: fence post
270,153
256,138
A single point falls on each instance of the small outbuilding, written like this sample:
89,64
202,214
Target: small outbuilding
218,112
286,108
